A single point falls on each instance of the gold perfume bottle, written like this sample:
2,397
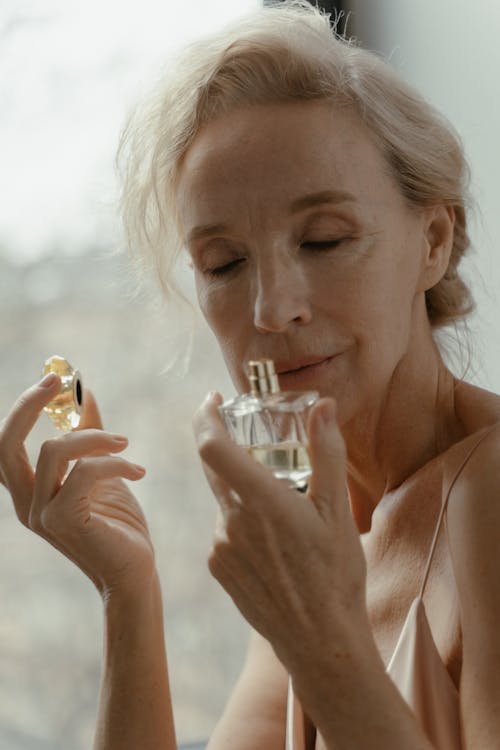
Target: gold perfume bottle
65,410
272,424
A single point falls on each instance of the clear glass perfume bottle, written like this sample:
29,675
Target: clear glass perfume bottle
271,424
65,410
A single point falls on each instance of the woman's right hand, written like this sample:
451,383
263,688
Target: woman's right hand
89,514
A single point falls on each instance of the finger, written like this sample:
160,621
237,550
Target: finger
220,525
56,454
327,486
16,471
90,416
26,410
226,497
251,593
71,504
226,459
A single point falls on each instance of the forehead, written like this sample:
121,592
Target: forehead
274,153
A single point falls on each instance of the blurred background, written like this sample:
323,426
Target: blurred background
69,73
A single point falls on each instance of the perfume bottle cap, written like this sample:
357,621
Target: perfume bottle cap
66,408
262,377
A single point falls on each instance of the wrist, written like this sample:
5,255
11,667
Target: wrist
337,656
132,595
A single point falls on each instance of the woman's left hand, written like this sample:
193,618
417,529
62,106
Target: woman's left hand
292,563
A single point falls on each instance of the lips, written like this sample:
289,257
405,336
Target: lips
289,368
310,373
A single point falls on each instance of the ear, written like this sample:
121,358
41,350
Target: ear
438,242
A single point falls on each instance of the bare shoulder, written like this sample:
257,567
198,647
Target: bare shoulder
473,465
473,526
474,502
255,714
478,413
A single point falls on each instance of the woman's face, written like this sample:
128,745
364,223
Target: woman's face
303,249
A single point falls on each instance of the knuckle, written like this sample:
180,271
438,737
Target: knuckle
215,557
3,439
48,519
34,522
22,516
212,563
26,402
232,525
49,447
22,402
220,546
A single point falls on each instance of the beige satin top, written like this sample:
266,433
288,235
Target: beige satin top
415,667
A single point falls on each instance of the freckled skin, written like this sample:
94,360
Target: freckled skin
345,280
274,295
282,299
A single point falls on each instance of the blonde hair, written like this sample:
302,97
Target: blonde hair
282,53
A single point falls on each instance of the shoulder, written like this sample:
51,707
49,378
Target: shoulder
474,472
472,466
473,524
473,529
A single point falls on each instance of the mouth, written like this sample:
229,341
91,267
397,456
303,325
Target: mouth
301,366
313,373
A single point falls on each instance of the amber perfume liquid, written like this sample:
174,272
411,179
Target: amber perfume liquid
287,460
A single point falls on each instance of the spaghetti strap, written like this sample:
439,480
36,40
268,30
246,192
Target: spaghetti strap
445,503
300,733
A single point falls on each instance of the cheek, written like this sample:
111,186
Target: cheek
226,303
226,319
212,303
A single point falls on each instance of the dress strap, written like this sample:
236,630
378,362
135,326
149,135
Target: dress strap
300,732
445,503
290,716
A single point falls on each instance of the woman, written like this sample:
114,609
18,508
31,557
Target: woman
323,205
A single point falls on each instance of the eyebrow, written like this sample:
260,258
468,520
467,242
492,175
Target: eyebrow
318,199
206,230
300,204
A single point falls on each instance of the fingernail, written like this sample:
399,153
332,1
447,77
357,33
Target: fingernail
48,380
119,439
140,469
213,396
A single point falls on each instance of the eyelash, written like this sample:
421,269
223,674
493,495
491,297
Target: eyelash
228,267
325,245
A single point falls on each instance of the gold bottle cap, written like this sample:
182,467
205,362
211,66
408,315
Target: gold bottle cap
65,410
262,377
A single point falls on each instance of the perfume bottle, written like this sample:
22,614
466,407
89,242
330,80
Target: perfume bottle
271,424
65,410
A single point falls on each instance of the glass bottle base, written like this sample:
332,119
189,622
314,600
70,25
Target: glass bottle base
287,460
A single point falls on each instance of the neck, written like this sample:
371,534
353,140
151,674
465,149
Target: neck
414,423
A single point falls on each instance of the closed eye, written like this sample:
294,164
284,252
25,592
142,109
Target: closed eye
323,245
224,269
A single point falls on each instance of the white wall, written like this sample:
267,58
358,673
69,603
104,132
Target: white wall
450,49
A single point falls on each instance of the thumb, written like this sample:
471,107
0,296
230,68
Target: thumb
90,416
327,486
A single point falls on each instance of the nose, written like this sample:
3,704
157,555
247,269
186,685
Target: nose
282,297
